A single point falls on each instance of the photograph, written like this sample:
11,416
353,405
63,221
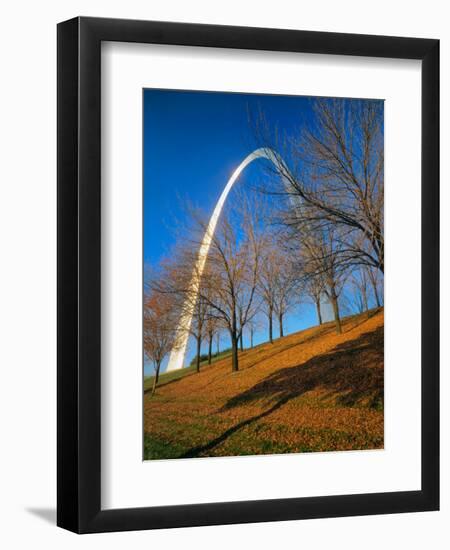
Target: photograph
198,190
263,273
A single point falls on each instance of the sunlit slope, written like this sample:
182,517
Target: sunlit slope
314,390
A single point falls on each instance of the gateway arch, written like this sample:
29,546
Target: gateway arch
176,358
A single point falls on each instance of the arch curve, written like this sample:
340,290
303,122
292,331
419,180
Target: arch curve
177,354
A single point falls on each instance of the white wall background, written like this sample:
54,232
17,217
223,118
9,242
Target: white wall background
28,270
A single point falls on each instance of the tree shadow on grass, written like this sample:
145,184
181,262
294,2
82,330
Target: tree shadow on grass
196,451
353,371
349,324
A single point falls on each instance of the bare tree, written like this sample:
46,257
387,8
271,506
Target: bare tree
178,272
253,325
242,324
232,270
287,288
314,289
213,328
220,284
218,342
375,279
160,329
319,263
334,167
359,281
267,283
198,327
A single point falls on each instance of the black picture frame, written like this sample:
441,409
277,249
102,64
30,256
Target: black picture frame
79,277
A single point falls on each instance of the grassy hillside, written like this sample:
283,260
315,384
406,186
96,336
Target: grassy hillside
310,391
167,377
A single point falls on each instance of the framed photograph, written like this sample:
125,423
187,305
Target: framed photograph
248,316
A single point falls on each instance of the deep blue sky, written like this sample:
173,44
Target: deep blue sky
192,143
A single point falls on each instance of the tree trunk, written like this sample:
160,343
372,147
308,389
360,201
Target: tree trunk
251,337
241,341
365,302
280,320
319,313
234,343
210,347
234,352
197,361
375,289
218,344
270,327
377,297
337,319
156,378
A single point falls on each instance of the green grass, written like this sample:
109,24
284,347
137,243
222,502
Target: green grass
214,357
155,449
167,377
328,399
254,440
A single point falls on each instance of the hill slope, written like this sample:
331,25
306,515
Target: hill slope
313,390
